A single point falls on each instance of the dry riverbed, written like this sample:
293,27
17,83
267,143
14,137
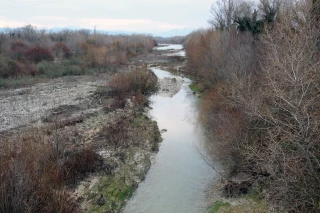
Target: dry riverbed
73,111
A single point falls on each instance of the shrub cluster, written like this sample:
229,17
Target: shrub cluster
34,173
141,79
22,49
262,101
136,84
61,50
38,54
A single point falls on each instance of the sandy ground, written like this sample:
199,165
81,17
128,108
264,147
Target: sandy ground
168,87
25,106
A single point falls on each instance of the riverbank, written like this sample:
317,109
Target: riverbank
178,176
233,191
217,200
121,136
77,113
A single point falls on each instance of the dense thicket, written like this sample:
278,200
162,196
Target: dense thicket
28,50
39,166
261,104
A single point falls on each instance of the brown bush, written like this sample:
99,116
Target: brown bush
224,126
29,181
216,56
104,52
289,106
281,111
140,99
60,49
129,83
18,49
37,54
18,69
31,69
33,175
96,56
266,112
78,164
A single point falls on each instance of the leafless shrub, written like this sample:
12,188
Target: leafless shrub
129,83
81,48
263,102
281,106
220,55
33,175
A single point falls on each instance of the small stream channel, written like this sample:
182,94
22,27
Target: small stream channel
178,177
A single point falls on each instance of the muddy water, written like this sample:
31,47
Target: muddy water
178,177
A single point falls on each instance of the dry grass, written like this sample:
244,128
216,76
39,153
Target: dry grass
245,208
35,171
138,83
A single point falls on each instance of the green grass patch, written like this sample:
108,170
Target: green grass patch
54,70
48,70
14,83
114,192
255,196
195,87
216,206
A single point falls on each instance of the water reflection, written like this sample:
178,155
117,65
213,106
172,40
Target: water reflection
178,176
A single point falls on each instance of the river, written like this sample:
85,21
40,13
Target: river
178,177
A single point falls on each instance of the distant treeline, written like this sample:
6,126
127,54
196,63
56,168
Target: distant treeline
171,40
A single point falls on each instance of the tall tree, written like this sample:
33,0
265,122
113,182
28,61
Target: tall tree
222,14
226,12
270,9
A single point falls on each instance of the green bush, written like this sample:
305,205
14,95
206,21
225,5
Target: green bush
54,70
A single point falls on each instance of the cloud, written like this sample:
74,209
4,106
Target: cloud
127,15
139,25
4,22
50,21
50,18
110,24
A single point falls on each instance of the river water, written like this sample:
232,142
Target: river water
169,47
178,177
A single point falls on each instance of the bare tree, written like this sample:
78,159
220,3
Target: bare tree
270,9
226,12
281,106
222,14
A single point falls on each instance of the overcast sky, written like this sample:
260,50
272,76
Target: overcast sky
143,16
